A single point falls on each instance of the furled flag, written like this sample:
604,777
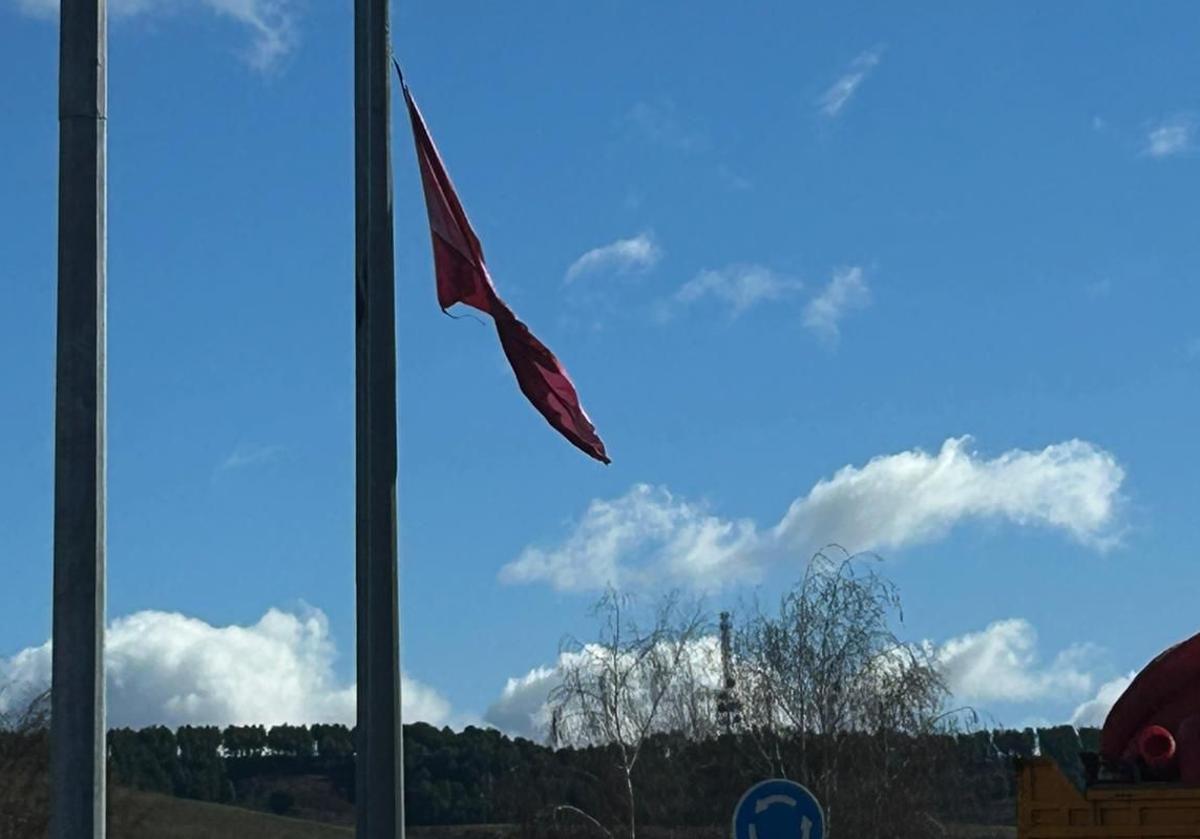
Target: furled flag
462,277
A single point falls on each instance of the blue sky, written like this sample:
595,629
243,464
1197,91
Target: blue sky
818,238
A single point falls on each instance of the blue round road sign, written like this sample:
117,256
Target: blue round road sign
778,809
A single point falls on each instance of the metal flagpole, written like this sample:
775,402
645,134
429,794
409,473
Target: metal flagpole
379,764
77,726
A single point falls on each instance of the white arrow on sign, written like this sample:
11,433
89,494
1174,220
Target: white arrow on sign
805,822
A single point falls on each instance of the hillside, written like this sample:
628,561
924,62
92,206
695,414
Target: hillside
142,815
139,815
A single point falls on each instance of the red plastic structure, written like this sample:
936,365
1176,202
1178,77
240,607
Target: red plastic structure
1161,697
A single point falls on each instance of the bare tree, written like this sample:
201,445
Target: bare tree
24,766
825,685
631,682
25,773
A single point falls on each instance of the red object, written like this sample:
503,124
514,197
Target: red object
1166,692
1189,750
462,277
1156,746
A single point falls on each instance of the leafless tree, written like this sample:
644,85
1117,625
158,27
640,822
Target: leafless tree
631,682
826,686
25,773
24,766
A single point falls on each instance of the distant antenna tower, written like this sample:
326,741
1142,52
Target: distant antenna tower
729,710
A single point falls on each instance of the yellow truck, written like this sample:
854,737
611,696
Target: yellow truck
1049,806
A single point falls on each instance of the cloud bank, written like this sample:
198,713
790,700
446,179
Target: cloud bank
999,664
166,668
1093,711
674,538
523,710
650,535
911,497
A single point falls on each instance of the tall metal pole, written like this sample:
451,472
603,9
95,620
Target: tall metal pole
728,707
77,725
379,779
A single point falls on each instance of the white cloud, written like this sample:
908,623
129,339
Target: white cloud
1000,664
166,668
910,497
1093,712
646,534
271,22
622,256
846,290
1170,137
649,535
523,708
840,92
738,286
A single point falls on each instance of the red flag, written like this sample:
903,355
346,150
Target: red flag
462,277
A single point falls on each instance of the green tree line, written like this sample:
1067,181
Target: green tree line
479,776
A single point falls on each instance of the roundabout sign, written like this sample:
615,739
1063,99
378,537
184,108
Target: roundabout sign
778,809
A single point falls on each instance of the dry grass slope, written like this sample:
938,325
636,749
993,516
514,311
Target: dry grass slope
139,815
147,816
